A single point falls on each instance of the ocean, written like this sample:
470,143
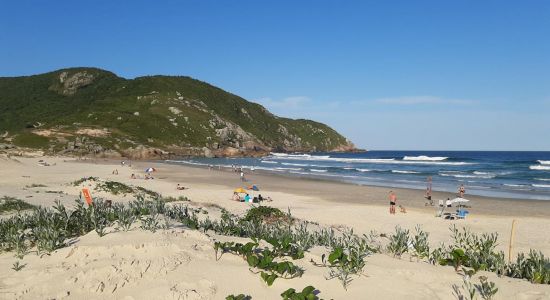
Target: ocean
518,175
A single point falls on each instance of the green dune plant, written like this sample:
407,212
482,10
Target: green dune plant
420,243
18,266
260,260
11,204
307,293
534,267
399,242
344,262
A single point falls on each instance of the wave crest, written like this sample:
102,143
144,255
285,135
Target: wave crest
404,172
425,158
540,168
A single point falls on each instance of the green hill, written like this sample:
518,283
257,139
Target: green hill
89,110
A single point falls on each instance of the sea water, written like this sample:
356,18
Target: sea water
521,175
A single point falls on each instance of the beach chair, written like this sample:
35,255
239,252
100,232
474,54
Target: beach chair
461,214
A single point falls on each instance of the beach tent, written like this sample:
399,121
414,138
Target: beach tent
150,170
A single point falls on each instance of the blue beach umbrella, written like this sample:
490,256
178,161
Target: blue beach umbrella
253,188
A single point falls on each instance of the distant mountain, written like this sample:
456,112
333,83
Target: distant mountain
89,110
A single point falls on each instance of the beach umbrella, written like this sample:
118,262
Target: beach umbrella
240,190
253,188
459,200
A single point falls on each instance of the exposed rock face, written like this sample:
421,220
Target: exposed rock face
71,83
232,135
349,147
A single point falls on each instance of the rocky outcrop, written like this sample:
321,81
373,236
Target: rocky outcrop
69,83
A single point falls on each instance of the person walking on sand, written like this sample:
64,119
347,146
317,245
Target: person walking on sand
393,202
242,176
461,191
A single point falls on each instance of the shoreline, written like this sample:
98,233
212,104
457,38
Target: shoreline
377,195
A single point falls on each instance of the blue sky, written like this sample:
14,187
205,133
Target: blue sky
445,75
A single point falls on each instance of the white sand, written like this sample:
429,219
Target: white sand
179,263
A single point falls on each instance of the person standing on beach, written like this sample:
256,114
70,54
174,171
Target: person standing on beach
393,202
461,191
242,176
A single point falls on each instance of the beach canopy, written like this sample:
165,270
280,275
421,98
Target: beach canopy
150,170
254,188
459,200
240,190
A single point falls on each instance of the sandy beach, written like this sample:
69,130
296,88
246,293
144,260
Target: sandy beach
179,263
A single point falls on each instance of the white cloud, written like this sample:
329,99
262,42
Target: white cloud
418,100
293,102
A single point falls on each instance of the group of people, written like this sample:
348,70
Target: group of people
393,198
249,199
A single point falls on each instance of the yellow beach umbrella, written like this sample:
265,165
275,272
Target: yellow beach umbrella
240,190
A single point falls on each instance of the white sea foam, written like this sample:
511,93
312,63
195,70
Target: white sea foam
289,169
363,170
541,185
482,173
296,165
404,172
462,175
317,170
516,185
540,168
423,157
297,156
368,160
543,179
544,162
268,162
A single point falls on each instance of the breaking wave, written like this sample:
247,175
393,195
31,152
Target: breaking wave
425,158
540,168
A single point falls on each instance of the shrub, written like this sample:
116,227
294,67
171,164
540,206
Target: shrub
344,262
8,204
49,231
420,243
480,250
399,242
535,267
263,213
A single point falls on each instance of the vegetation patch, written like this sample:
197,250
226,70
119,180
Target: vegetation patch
264,214
115,187
30,140
35,185
84,179
11,204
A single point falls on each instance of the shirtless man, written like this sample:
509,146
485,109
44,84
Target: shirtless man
461,191
393,202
